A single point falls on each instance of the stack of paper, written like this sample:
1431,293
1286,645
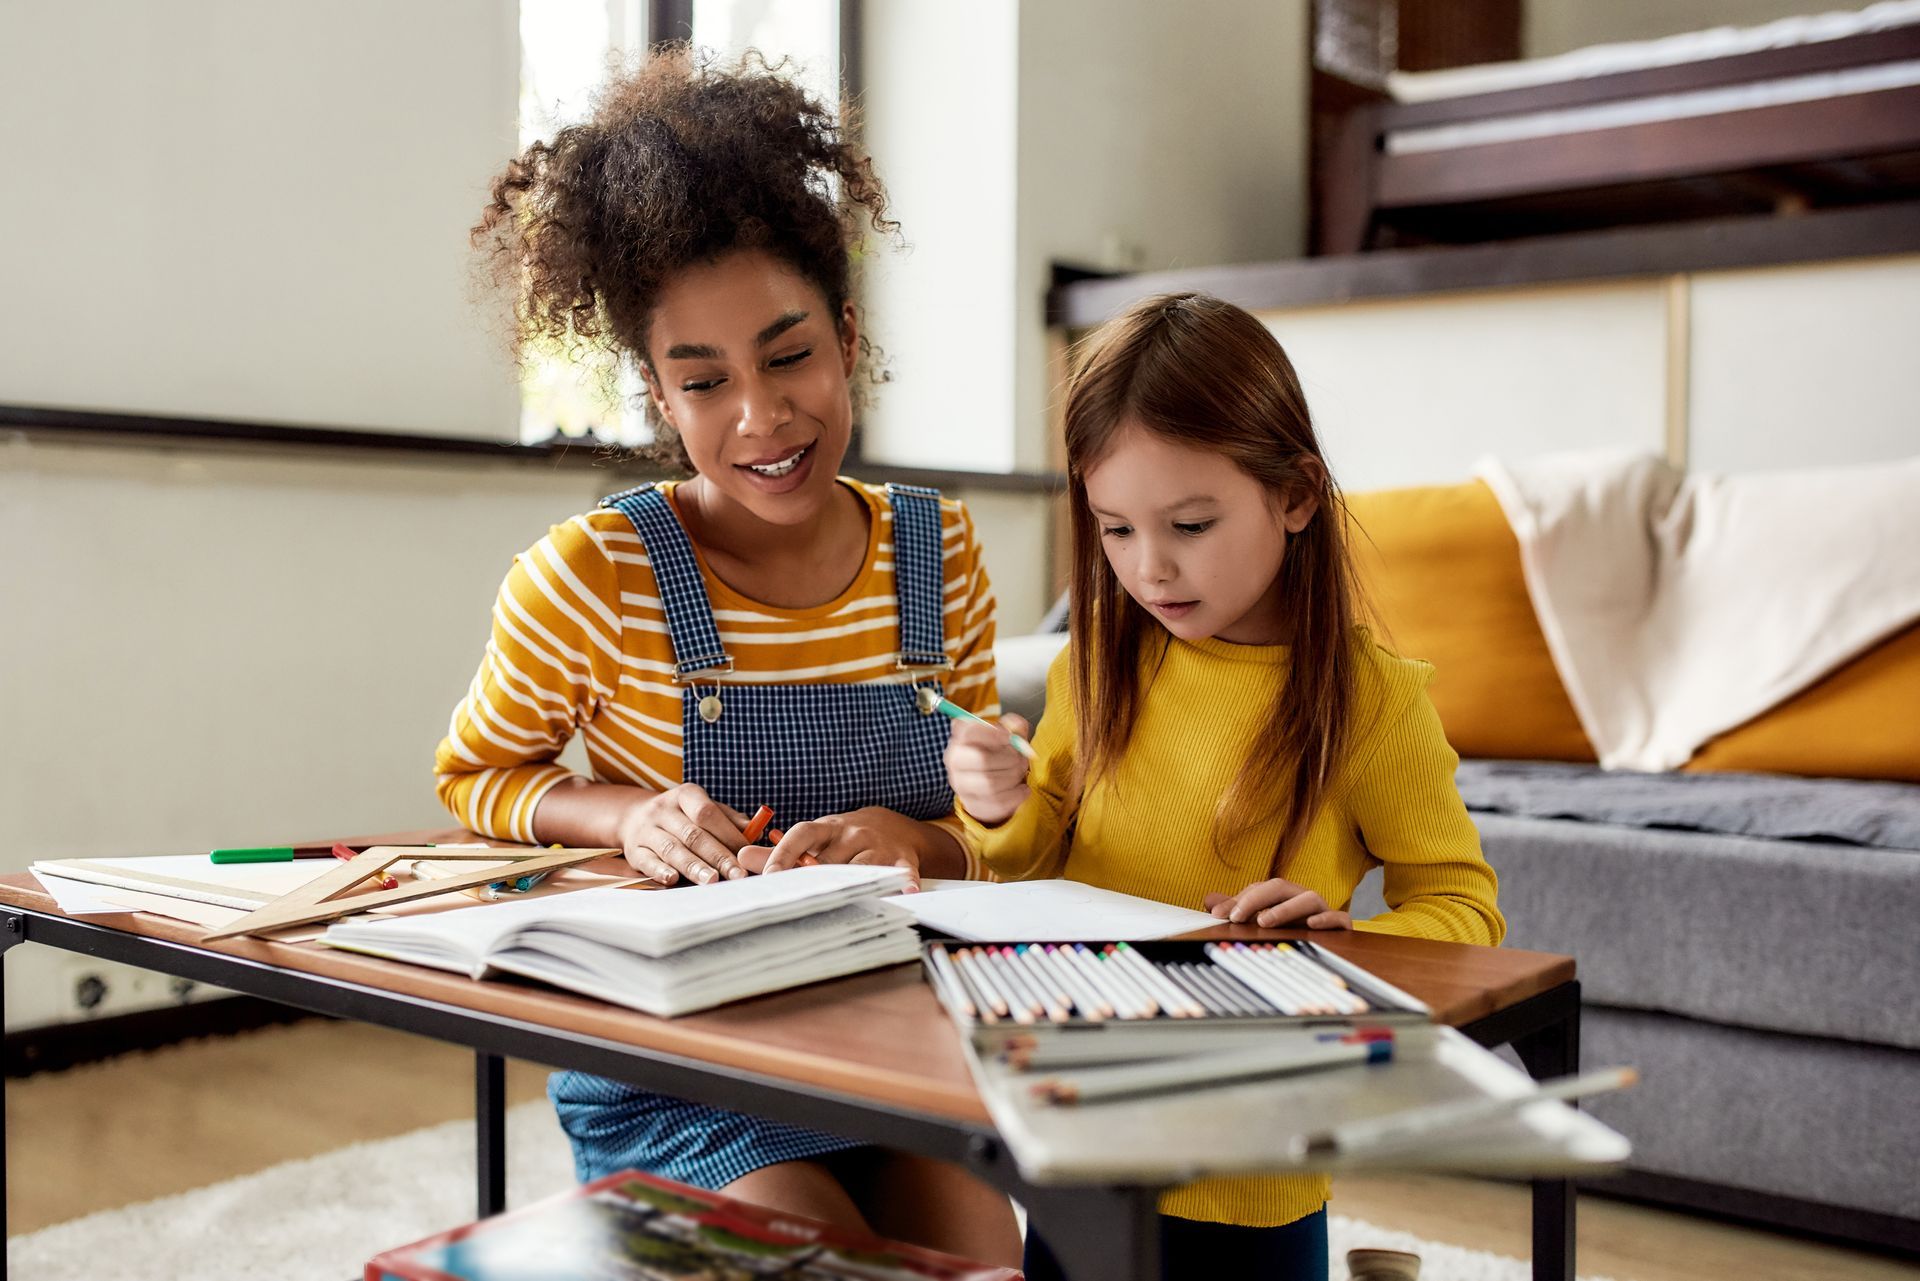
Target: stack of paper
666,952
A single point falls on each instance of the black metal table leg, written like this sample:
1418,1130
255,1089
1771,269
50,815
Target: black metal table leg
1098,1234
490,1129
1549,1051
13,930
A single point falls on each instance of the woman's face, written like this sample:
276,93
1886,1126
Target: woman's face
750,366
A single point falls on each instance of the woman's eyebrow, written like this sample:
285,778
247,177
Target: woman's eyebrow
693,351
707,351
778,327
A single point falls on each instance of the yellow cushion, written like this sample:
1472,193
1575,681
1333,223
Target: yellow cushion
1441,570
1857,723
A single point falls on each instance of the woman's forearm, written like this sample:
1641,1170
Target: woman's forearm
585,814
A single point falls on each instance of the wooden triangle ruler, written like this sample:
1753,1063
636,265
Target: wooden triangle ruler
327,897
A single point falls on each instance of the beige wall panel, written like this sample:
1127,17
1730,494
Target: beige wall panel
211,649
1806,366
227,209
1415,391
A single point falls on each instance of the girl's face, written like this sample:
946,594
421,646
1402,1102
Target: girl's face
1195,540
750,366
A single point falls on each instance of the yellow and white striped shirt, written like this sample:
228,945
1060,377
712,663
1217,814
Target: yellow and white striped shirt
580,644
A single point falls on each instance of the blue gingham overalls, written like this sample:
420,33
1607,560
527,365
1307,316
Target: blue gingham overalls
806,750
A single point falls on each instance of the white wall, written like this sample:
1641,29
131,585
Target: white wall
1806,364
254,209
1153,136
940,103
1125,134
1556,26
1414,391
1732,371
208,649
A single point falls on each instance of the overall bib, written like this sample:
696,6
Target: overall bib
806,750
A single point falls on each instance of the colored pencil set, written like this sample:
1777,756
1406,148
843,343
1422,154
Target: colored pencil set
1093,1022
1028,983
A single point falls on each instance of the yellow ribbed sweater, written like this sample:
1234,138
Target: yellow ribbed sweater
1146,829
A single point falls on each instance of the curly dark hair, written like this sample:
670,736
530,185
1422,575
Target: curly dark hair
682,160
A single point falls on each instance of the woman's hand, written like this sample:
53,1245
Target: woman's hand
682,832
988,774
1278,902
871,835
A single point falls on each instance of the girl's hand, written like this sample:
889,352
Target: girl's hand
1278,902
987,774
683,832
871,835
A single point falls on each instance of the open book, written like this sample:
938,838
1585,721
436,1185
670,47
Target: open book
666,952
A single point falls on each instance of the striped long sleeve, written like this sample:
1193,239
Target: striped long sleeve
579,645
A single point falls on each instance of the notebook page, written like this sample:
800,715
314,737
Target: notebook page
1056,911
651,922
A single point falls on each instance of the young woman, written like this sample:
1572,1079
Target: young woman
751,635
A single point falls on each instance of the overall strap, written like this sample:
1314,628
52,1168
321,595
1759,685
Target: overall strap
919,576
683,593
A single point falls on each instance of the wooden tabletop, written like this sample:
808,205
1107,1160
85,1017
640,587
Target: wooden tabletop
879,1036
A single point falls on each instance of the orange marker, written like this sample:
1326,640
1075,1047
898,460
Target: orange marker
757,825
775,836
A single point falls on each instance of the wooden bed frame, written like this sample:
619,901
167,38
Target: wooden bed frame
1852,149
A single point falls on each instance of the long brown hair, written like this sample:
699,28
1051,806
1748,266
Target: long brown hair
1204,374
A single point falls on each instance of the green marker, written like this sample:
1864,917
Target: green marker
259,854
931,701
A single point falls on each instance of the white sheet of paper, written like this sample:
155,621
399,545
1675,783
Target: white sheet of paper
1055,911
78,898
242,885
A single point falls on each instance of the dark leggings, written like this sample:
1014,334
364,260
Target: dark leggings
1195,1251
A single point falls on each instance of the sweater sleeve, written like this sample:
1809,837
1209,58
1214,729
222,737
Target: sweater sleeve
551,660
1411,818
1031,843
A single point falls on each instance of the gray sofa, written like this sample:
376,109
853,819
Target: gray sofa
1750,943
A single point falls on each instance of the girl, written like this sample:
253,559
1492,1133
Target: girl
752,635
1220,733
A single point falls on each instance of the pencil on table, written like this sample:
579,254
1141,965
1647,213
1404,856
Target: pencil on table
992,998
1234,963
949,980
1005,999
1013,982
1113,968
347,853
1420,1123
1026,958
1209,1069
1343,997
1125,1003
1172,998
1085,999
1260,956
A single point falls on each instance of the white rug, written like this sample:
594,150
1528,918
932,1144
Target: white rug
322,1218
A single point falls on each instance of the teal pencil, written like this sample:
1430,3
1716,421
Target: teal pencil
931,701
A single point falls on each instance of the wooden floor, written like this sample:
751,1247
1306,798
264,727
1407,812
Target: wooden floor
150,1124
